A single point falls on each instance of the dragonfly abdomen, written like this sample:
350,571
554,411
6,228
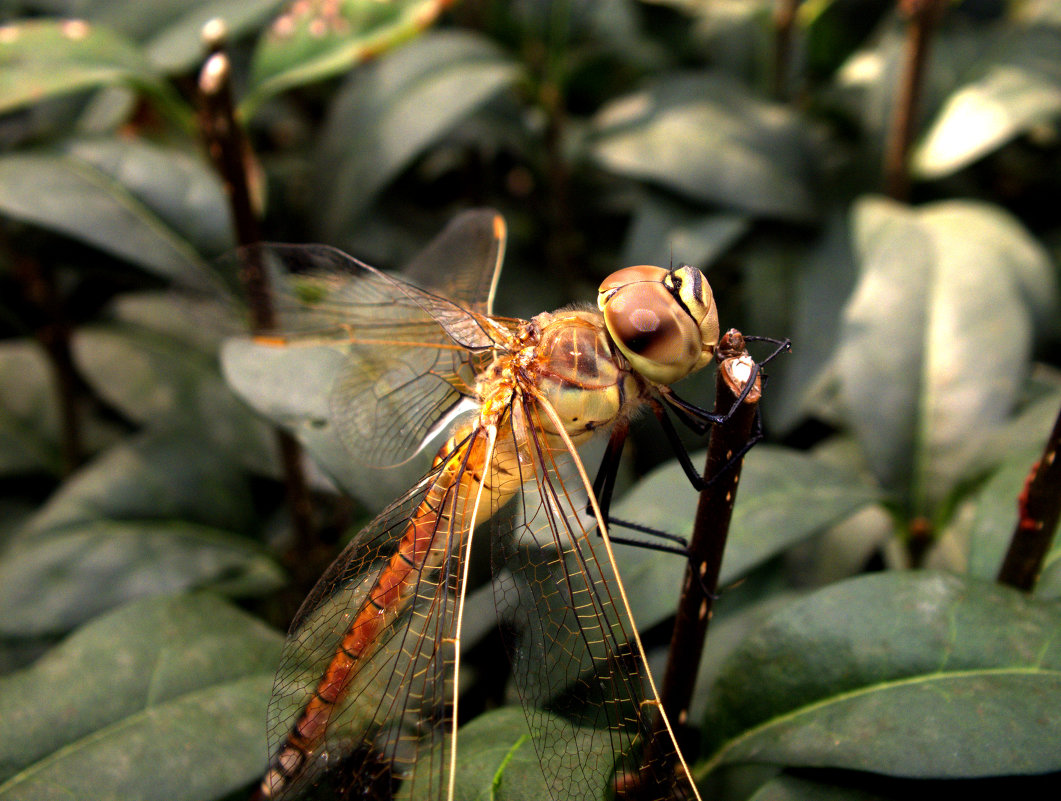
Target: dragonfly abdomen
436,528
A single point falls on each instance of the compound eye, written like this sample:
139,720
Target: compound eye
649,325
626,276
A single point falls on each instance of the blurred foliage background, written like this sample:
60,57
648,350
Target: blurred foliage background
878,181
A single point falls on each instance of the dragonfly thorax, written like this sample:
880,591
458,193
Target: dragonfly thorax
573,364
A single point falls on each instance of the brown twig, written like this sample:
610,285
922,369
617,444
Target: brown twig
226,144
784,23
53,332
710,530
1040,510
922,18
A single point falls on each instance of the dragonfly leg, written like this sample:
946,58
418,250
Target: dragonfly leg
697,419
699,482
603,488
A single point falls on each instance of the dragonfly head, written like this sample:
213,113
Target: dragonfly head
663,321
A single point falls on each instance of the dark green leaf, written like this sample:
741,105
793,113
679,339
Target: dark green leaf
66,194
936,339
392,109
705,137
162,699
905,674
178,187
177,45
791,788
664,231
784,497
29,413
822,282
867,84
41,59
292,388
1032,425
496,759
152,516
313,41
158,363
1016,86
158,475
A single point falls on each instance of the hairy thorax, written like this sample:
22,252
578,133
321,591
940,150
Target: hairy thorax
568,357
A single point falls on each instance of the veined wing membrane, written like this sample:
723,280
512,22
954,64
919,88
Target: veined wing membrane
463,262
365,678
575,650
409,355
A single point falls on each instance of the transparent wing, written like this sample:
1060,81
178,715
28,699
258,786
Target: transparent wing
574,652
387,724
409,355
463,262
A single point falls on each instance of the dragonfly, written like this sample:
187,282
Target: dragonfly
367,692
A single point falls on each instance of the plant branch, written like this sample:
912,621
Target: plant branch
227,146
53,332
1040,510
710,530
922,18
784,22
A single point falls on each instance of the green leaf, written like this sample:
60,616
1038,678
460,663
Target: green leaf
866,86
936,339
30,432
292,387
177,45
67,194
804,381
905,674
663,230
1016,87
313,41
391,110
158,362
784,498
179,187
497,759
155,515
42,59
792,788
162,699
157,475
706,138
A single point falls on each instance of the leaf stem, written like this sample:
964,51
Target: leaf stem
922,18
228,149
1040,510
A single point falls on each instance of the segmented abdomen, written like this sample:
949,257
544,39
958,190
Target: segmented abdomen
435,529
